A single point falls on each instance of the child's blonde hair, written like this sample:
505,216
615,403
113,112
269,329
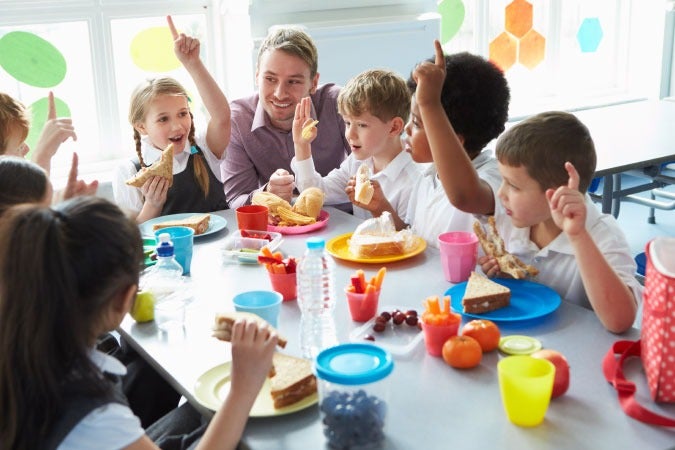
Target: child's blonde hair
380,92
13,116
141,98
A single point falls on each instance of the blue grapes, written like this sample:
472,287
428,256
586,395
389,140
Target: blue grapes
353,420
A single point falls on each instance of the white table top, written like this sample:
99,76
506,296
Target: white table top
431,405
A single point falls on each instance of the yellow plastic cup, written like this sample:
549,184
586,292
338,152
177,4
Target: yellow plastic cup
525,384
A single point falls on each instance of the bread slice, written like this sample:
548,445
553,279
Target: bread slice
293,380
483,295
163,167
198,222
222,329
493,245
363,190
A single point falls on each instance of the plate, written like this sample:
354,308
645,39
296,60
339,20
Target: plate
216,223
400,340
529,300
339,248
213,386
321,222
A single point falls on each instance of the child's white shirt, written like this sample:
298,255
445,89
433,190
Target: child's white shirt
130,197
397,180
430,212
558,268
111,426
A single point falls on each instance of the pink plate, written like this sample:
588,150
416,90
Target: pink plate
301,229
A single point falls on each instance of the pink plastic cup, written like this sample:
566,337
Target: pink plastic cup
459,252
285,283
436,335
362,307
252,217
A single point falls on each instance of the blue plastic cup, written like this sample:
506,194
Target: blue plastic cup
265,304
183,240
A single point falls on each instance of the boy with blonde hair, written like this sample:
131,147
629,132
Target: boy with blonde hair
374,105
545,218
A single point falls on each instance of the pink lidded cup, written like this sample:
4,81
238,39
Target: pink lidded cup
459,253
363,306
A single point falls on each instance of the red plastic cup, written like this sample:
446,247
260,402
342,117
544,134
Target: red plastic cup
252,217
362,307
285,283
459,252
436,335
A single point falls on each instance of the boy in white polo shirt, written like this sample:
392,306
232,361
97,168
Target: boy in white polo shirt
374,105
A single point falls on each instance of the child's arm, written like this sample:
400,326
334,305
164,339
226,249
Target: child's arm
464,188
612,301
55,132
252,351
154,192
76,187
301,141
187,51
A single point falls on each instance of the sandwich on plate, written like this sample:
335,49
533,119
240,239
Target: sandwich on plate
163,167
293,380
378,237
198,222
483,295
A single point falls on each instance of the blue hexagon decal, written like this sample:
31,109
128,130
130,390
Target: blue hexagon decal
589,34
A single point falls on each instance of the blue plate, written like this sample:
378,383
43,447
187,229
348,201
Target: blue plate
529,300
216,223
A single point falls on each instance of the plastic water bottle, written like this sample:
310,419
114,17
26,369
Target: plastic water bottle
167,274
316,298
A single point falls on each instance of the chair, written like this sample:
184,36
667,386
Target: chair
660,176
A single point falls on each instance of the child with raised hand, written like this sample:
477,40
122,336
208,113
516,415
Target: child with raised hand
84,263
546,219
460,103
374,105
160,115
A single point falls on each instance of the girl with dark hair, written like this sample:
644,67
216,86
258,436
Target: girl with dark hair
22,181
160,115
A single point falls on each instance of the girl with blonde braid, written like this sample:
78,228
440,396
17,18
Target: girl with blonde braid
159,113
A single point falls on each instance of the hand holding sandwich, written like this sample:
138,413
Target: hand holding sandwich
378,202
154,192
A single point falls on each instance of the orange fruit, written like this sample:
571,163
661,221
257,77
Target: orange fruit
462,352
484,331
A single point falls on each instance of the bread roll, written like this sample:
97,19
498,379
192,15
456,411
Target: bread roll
363,191
309,202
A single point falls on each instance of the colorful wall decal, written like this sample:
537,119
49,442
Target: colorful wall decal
519,42
38,111
152,50
590,34
31,59
452,17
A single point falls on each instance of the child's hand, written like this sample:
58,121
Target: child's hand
282,184
429,78
252,351
154,191
76,187
55,132
378,203
568,207
491,267
185,47
303,118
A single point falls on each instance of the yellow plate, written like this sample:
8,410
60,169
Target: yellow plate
339,248
213,386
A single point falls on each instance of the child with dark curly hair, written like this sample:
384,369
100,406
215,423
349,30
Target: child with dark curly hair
460,103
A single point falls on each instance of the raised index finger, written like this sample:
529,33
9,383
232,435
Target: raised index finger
51,112
573,181
172,27
440,58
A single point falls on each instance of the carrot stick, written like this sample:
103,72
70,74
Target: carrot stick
380,277
434,306
362,276
278,256
266,252
446,304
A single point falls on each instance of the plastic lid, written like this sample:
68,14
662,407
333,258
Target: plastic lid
316,243
165,246
352,364
519,345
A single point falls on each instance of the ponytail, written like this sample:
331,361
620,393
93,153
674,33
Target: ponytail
201,171
137,141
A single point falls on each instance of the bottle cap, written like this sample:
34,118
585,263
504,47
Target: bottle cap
165,247
353,364
519,345
316,242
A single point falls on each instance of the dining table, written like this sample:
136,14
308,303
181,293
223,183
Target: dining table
431,405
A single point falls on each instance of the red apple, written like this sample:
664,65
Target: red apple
562,370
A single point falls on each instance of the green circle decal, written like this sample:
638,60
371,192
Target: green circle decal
152,50
452,17
32,60
38,112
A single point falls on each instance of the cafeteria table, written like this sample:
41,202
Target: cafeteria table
430,404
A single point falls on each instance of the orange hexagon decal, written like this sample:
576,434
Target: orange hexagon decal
503,51
518,18
532,49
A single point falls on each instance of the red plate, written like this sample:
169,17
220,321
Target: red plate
301,229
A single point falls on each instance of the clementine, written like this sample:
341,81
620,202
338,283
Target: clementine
462,352
484,331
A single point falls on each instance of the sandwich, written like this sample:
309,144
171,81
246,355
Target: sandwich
483,295
222,329
493,245
293,380
198,222
363,191
309,202
163,167
308,129
378,237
